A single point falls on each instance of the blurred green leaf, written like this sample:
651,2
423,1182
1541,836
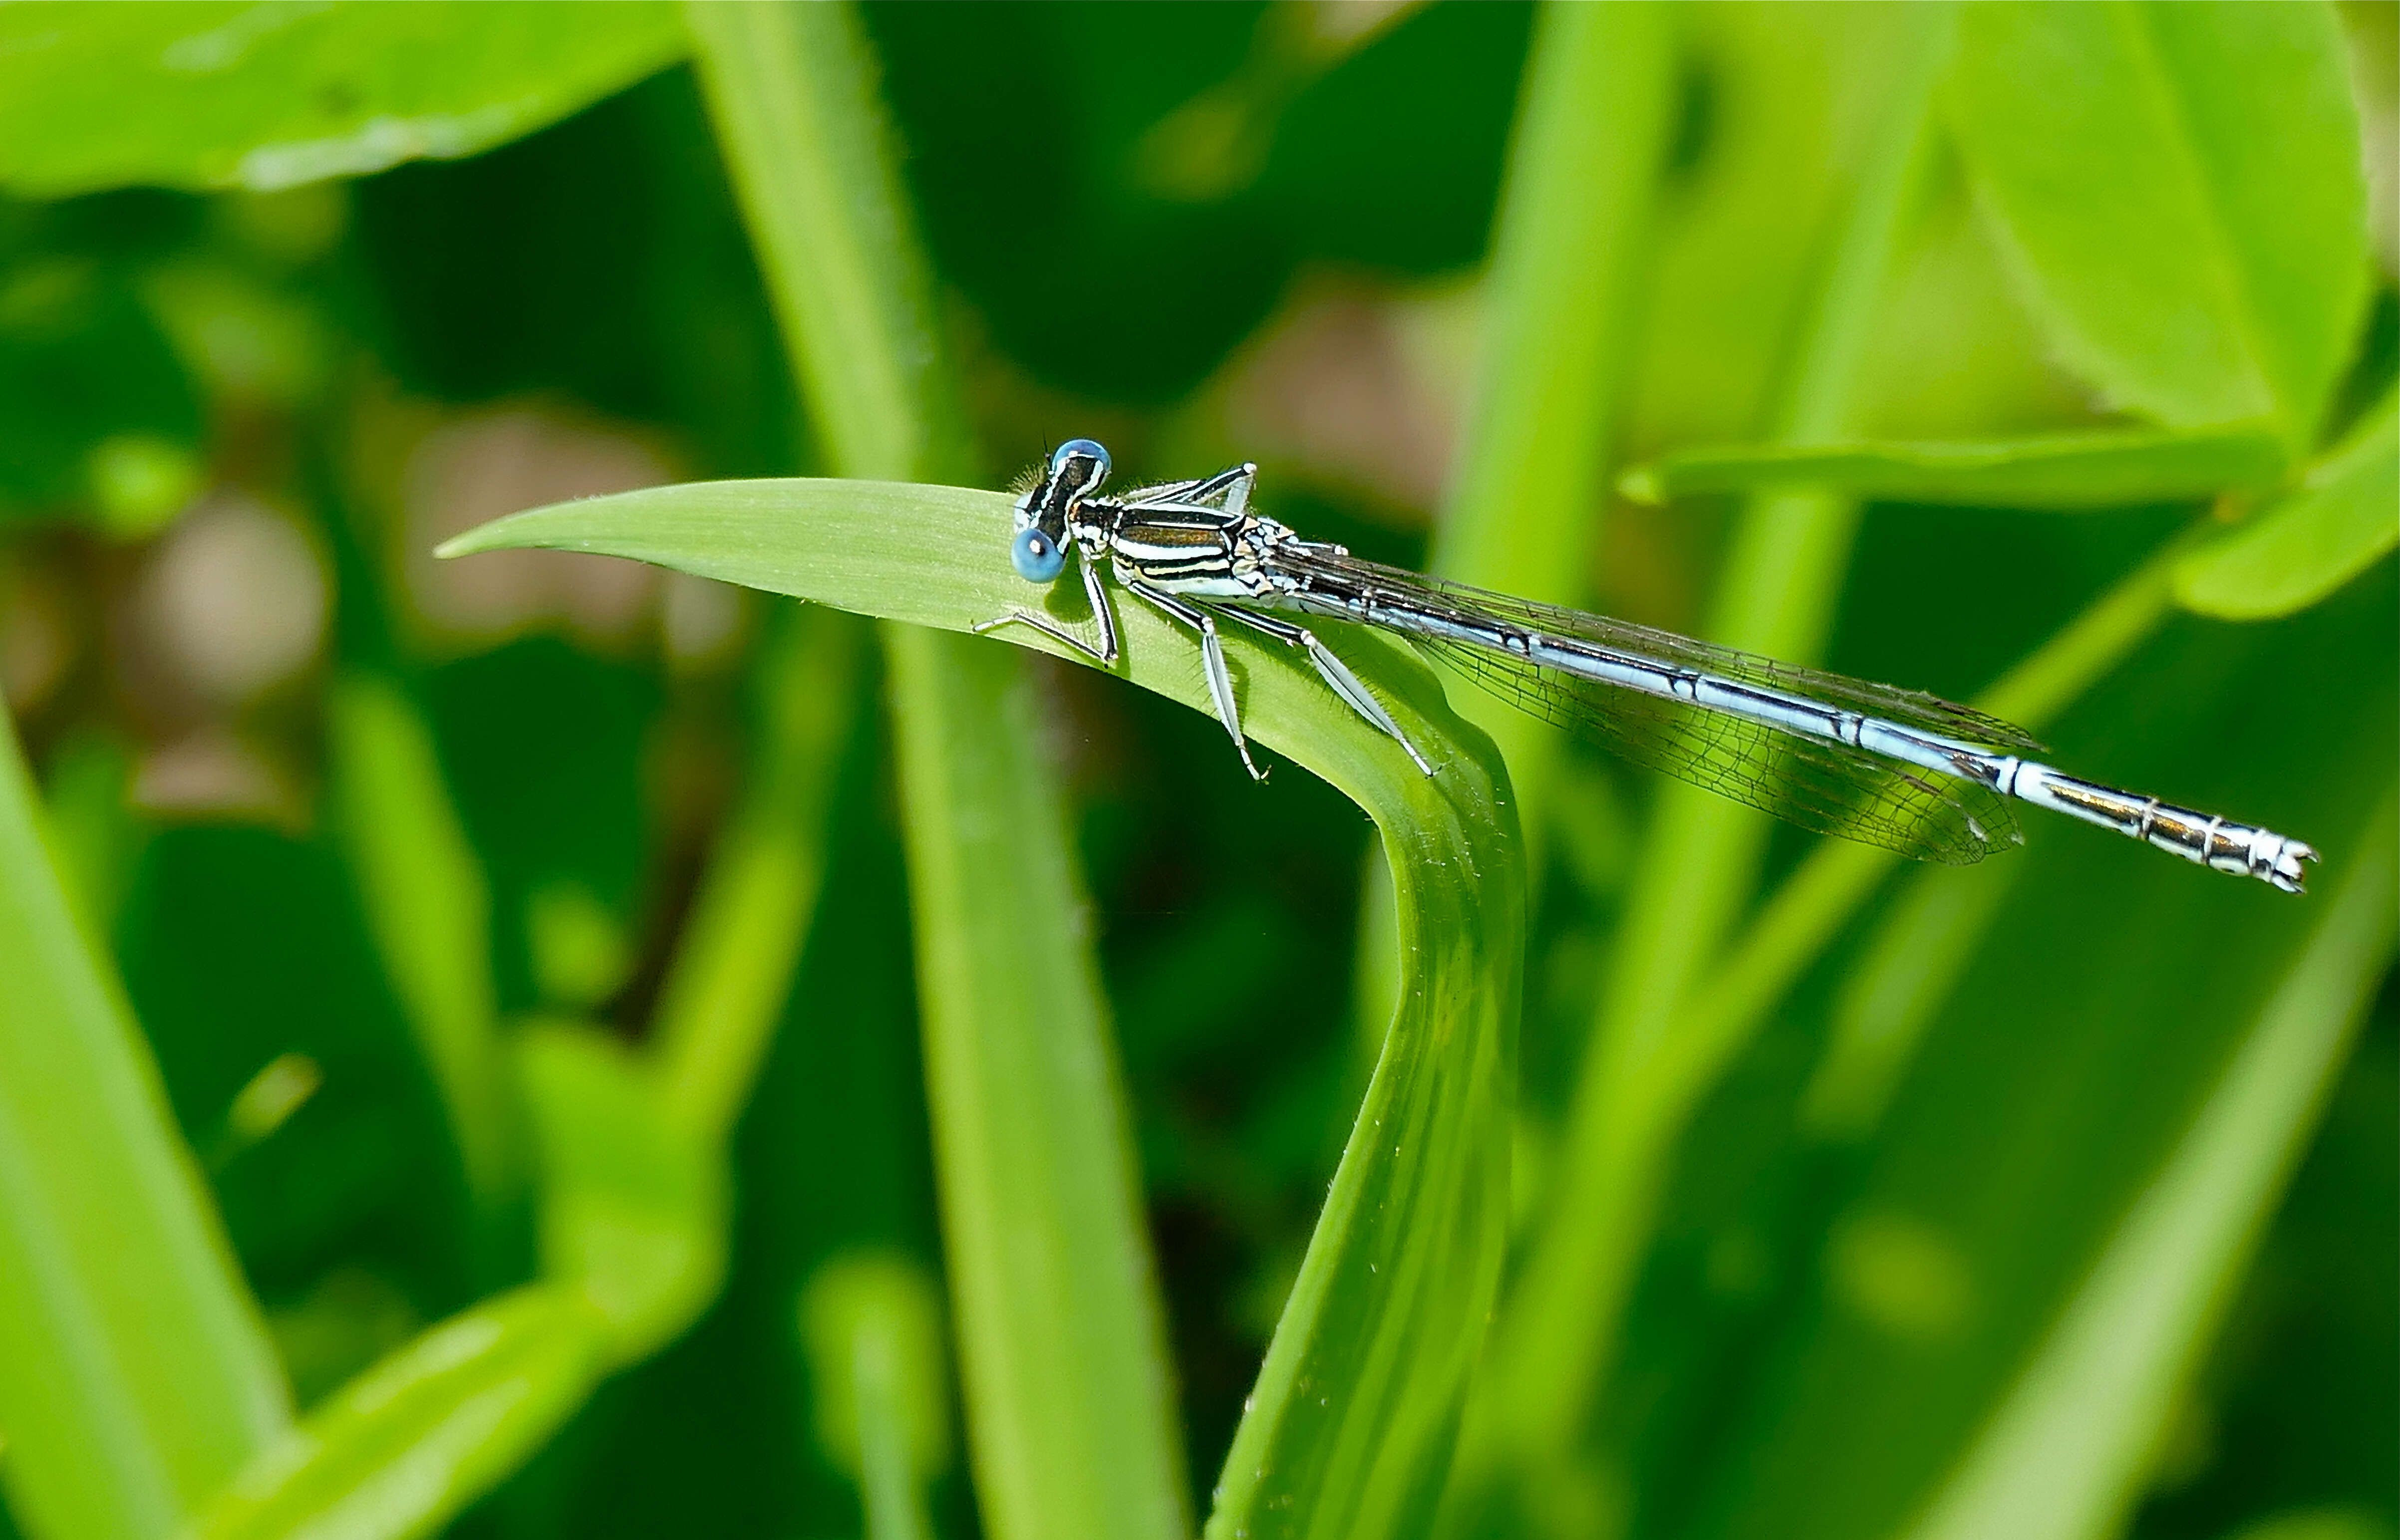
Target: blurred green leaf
1907,968
2040,1124
100,412
267,96
135,1374
1390,1305
94,837
1569,250
2345,1524
733,964
871,1323
400,1449
423,895
1778,107
139,482
632,1207
2178,188
2343,518
541,747
2068,1450
240,945
579,950
2060,470
1639,1077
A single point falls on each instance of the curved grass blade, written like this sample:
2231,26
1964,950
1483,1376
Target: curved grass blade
407,1444
2054,470
1350,1427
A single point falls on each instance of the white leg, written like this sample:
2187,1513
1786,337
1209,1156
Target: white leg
1104,654
1212,664
1336,674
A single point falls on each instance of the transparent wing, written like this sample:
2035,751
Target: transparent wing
1827,787
1907,708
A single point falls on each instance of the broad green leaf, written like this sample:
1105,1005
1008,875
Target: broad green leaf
2066,1452
275,95
1062,1350
1350,1425
2343,518
734,963
1639,1079
632,1207
2178,188
135,1375
402,1447
1570,247
2059,471
1729,285
423,896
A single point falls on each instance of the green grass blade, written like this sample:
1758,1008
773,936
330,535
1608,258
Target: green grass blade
1059,1335
234,96
402,1448
135,1376
2068,1450
2178,191
734,962
2344,518
1062,1342
1570,246
2055,470
1351,1420
792,94
422,893
1777,596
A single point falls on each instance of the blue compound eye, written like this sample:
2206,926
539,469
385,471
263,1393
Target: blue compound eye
1081,449
1037,557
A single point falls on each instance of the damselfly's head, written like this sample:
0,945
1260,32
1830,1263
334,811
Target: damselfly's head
1076,469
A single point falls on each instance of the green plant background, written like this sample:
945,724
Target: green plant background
539,1049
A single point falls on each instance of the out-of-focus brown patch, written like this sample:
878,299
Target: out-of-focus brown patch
1359,390
232,603
37,642
212,772
479,468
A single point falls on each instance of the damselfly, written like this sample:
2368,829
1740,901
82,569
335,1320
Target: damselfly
1909,771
